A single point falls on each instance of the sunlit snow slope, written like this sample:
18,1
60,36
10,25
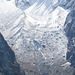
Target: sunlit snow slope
35,34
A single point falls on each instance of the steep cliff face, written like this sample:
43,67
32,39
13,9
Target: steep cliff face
8,64
70,33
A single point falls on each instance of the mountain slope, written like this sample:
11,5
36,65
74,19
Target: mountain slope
36,34
70,33
43,26
8,64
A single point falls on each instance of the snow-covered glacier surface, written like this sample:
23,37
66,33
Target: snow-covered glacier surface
34,30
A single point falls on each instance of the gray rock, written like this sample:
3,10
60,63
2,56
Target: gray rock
70,33
8,63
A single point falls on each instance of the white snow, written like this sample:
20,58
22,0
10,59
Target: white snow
41,22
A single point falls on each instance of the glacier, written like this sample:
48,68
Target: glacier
34,29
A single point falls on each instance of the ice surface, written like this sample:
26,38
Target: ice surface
35,34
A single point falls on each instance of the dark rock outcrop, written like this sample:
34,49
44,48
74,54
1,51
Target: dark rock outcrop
8,64
70,33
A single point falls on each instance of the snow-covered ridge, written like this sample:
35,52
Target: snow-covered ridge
35,34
